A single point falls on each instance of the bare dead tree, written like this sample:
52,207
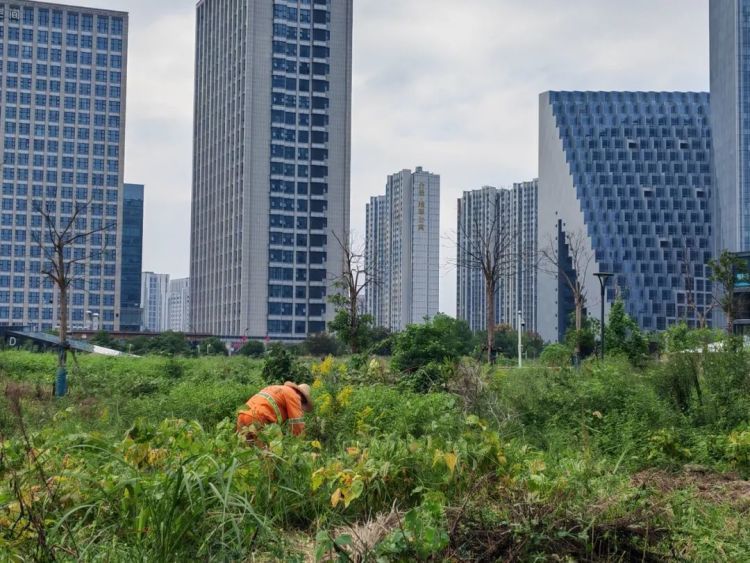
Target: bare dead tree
572,268
59,262
701,313
487,247
355,277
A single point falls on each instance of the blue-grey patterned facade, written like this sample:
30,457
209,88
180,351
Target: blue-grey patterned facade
632,171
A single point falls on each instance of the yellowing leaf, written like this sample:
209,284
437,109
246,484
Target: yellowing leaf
335,498
437,457
353,492
450,461
315,444
317,479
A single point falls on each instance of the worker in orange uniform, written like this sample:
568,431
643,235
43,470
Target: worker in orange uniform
280,404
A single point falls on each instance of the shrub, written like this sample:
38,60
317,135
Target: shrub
213,346
443,338
252,349
431,377
557,355
623,336
322,344
280,366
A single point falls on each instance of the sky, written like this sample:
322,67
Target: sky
450,86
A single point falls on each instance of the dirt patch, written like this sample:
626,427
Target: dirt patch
15,391
719,488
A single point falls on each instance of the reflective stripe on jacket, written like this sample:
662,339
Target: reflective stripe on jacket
274,404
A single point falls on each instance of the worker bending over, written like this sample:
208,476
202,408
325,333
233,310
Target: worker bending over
277,404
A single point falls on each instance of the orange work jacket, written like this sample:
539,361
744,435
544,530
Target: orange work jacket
274,404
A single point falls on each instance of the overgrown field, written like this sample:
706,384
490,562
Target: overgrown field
608,463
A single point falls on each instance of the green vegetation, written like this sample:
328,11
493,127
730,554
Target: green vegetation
430,456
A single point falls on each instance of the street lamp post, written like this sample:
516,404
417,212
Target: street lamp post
519,329
603,277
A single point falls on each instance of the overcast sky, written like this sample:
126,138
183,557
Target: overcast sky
450,86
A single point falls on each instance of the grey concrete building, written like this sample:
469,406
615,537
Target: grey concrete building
62,111
402,250
154,301
178,305
629,174
271,164
730,122
510,215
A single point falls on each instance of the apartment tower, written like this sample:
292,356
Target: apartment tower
271,164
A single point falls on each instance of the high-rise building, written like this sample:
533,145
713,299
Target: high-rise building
271,164
178,305
63,73
505,222
154,301
403,250
730,122
132,258
628,173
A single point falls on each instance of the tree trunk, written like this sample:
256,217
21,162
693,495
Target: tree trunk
63,287
490,319
730,314
353,323
579,321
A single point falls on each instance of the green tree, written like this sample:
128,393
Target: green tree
680,337
506,342
724,271
252,349
440,339
105,339
622,334
169,344
583,340
322,344
356,333
213,346
381,341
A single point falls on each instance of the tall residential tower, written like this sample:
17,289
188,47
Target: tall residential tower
506,219
62,108
271,164
730,122
155,301
403,250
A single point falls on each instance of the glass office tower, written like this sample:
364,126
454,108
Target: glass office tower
271,164
631,173
132,258
62,102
